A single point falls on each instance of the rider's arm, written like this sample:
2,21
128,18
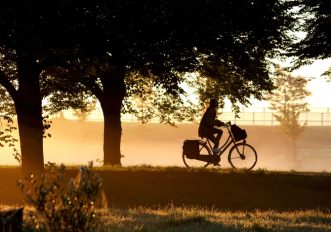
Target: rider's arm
219,123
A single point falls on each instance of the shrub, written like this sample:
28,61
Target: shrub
62,203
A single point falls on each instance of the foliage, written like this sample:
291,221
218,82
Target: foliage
225,81
62,203
46,125
147,101
63,93
83,114
7,126
228,41
287,100
327,73
315,22
160,41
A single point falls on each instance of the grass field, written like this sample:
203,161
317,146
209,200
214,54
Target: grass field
154,187
185,219
173,198
149,198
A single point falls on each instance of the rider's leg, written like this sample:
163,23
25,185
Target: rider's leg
216,138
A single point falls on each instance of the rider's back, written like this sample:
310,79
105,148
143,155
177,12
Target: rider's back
207,122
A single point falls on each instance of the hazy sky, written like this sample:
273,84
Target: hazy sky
319,86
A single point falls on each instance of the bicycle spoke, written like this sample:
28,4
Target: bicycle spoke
236,157
242,156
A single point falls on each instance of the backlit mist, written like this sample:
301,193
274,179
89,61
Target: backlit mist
75,142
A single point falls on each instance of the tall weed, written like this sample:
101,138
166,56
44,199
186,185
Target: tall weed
62,204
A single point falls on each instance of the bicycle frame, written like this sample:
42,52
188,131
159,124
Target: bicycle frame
229,141
240,154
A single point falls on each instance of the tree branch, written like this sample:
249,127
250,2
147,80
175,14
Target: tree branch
95,89
9,87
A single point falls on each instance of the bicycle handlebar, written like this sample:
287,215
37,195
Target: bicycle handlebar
226,124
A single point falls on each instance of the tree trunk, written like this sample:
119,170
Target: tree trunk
29,115
111,103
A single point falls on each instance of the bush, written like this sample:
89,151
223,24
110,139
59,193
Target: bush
62,203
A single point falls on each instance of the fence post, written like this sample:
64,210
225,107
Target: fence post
322,116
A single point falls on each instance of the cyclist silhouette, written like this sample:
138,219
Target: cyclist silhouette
207,125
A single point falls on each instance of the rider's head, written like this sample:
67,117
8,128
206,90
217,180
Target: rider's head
213,103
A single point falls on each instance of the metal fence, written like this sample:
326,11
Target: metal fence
248,116
318,116
267,118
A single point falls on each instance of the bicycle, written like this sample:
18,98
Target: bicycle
241,155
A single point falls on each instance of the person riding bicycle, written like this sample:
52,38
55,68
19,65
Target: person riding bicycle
207,125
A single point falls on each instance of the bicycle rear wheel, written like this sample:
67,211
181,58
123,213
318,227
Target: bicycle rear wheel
194,163
242,156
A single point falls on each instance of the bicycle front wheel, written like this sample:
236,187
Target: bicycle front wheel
195,163
242,156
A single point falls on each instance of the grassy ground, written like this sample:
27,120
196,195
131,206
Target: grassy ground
224,189
179,199
181,219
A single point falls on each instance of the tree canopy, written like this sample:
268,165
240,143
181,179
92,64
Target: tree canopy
160,40
315,23
163,37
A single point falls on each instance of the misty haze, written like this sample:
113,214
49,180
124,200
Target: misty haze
75,142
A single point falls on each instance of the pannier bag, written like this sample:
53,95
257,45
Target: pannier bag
191,148
238,133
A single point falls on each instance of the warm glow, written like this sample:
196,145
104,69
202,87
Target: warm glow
319,85
155,144
161,145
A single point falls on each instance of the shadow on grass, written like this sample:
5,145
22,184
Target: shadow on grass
222,190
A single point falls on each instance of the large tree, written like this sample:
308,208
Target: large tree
156,39
34,36
164,39
93,76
